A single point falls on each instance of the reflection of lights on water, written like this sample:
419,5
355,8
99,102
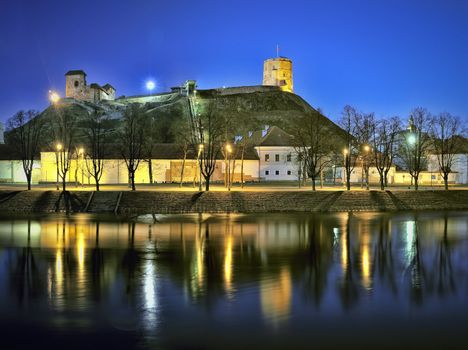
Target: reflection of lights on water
228,263
149,285
410,237
366,277
150,294
344,252
276,297
56,289
80,250
81,280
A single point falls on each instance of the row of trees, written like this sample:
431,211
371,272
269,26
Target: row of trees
377,142
212,133
93,135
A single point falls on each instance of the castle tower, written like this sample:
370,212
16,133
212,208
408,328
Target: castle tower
75,85
278,72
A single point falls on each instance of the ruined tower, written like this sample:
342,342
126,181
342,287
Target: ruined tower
278,72
75,85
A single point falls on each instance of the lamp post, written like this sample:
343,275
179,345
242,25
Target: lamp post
228,152
345,155
366,152
200,149
413,156
81,153
58,147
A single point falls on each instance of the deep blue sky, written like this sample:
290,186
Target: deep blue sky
381,56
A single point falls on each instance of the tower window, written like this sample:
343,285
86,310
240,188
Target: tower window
77,83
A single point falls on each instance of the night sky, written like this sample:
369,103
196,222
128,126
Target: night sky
381,56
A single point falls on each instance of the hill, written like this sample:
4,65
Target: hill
269,105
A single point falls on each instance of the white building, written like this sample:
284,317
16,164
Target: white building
459,168
277,156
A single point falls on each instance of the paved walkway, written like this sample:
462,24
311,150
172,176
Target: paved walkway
255,187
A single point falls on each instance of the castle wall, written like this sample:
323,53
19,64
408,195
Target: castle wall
246,89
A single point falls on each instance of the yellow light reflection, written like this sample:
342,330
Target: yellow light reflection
57,290
80,250
197,265
228,263
276,297
344,252
366,267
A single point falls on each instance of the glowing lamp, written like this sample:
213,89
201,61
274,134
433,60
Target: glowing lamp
54,97
411,139
150,85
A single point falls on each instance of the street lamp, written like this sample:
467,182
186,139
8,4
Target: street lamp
200,149
228,151
54,97
366,149
150,85
345,154
411,139
58,147
81,153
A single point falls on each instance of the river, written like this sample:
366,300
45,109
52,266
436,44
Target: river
276,281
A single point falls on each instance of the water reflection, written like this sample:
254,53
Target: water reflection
275,271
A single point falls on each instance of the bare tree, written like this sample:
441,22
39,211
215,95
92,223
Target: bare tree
414,147
350,124
63,124
131,139
384,134
25,130
446,143
96,128
365,123
182,136
314,141
208,130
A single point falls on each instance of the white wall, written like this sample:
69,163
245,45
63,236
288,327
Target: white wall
11,171
281,169
459,166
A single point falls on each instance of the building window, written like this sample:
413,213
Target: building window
276,157
288,158
289,172
276,172
77,83
267,172
267,157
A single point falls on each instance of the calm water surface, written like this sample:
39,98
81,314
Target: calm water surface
365,280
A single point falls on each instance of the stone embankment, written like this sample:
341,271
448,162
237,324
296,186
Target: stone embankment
153,202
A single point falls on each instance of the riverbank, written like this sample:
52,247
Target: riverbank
167,202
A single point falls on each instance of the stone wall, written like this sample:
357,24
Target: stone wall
166,202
